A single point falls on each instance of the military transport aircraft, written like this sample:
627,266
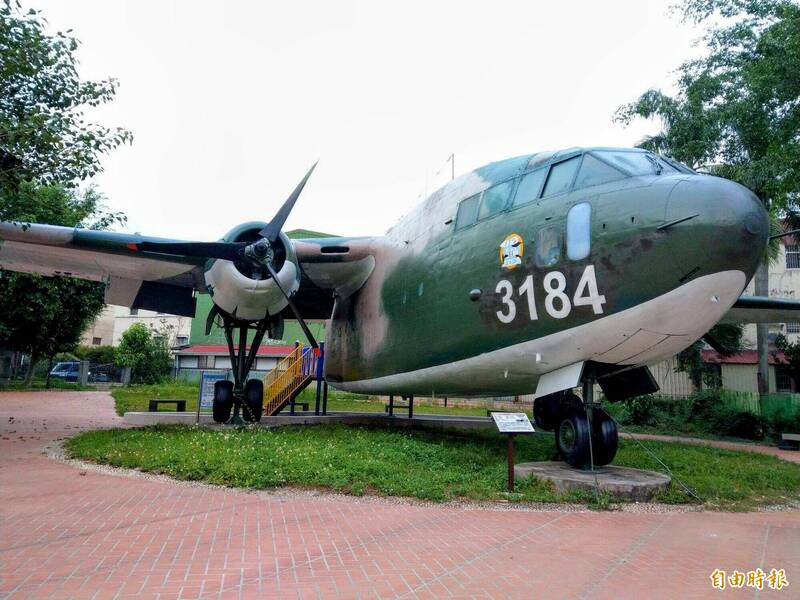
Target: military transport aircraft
539,273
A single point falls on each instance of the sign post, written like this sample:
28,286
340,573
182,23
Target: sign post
512,424
206,399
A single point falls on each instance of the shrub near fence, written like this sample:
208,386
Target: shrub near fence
713,412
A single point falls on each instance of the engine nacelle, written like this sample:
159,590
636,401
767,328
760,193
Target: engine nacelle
244,297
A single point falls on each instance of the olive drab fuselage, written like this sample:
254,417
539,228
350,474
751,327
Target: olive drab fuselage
447,291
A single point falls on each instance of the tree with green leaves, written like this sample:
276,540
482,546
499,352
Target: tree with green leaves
736,112
43,316
45,136
47,148
146,352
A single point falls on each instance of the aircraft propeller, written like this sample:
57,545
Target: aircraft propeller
258,253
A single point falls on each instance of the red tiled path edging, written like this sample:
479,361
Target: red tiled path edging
68,533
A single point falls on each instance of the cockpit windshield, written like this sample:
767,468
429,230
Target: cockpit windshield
633,163
642,163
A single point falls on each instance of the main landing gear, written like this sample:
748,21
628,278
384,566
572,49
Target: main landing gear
242,394
585,434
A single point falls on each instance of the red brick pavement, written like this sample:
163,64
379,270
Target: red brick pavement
69,533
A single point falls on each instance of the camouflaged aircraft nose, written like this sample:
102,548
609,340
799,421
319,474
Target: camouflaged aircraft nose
722,225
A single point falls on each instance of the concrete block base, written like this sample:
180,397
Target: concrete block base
621,482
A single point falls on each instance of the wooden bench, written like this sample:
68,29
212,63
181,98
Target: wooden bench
790,441
180,405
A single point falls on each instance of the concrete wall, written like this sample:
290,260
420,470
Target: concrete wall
742,378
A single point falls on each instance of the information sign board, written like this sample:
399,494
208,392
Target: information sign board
207,381
512,422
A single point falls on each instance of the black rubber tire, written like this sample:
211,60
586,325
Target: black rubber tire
546,411
572,436
253,404
605,438
223,401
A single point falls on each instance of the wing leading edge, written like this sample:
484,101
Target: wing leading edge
761,309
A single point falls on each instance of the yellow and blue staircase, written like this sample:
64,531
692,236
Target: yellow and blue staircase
290,377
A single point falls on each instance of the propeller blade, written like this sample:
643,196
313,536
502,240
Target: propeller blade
224,250
296,312
212,314
784,234
274,227
716,345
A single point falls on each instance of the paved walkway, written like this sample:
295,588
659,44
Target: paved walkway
70,533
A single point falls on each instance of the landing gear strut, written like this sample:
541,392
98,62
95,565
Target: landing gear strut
242,395
585,434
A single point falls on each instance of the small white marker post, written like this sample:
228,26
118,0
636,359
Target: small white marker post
512,424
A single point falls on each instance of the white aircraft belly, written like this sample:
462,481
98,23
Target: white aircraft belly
643,334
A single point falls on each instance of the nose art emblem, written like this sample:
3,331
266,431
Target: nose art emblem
511,251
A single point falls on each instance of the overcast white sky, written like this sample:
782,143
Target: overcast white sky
230,102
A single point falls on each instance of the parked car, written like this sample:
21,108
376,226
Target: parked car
68,371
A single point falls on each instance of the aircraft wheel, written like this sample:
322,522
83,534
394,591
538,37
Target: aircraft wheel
572,436
546,411
253,403
605,438
223,400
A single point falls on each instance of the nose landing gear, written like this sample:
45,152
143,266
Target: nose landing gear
585,434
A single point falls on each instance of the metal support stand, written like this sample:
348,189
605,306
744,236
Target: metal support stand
324,397
510,440
411,407
241,360
391,406
588,407
318,397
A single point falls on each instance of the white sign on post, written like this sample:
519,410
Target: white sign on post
512,422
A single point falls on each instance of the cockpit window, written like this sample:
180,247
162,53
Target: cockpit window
548,247
495,199
594,172
529,187
635,163
467,211
561,175
679,166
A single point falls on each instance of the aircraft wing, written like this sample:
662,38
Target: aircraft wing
166,282
161,283
761,309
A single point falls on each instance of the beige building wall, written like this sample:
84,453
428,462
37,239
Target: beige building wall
178,327
108,328
671,382
101,332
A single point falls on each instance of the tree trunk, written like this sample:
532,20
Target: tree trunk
761,280
31,368
49,368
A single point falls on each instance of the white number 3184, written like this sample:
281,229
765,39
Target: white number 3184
556,301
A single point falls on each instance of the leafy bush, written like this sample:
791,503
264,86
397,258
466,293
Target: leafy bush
641,410
147,355
97,355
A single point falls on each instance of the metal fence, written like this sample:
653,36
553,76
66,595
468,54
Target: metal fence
768,406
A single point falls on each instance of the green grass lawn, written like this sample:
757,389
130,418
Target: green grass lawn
41,384
135,398
436,466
